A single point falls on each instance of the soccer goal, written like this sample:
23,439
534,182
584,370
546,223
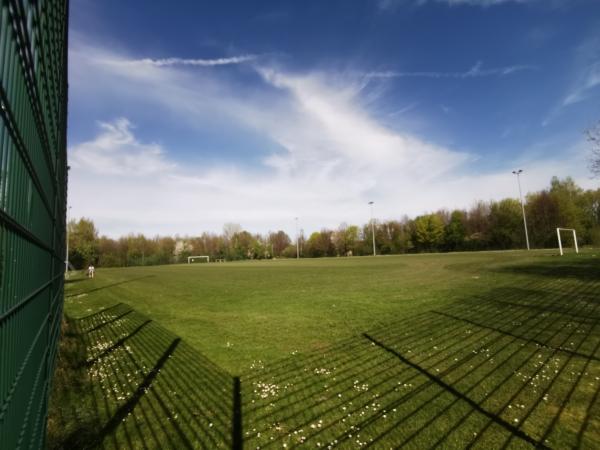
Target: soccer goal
558,230
192,259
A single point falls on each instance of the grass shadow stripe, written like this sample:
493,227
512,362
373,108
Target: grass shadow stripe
117,344
285,368
455,343
129,406
527,340
199,394
480,380
98,313
545,309
237,434
381,383
514,430
108,322
566,399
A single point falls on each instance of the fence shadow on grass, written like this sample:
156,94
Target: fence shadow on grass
148,388
579,269
514,367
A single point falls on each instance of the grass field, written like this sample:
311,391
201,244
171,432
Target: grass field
487,350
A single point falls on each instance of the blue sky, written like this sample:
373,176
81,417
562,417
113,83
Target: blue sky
185,117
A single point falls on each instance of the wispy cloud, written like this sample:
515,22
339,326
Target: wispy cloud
589,80
191,62
476,71
480,2
393,4
585,78
404,109
333,155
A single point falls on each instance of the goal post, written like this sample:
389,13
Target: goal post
191,259
558,230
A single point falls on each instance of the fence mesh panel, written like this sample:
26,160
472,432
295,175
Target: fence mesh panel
33,182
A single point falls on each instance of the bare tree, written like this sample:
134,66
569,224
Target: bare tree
593,137
230,229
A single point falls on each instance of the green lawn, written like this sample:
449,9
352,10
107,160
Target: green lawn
483,349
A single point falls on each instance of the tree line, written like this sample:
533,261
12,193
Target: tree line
492,225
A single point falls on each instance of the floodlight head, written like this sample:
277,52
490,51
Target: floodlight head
370,203
517,172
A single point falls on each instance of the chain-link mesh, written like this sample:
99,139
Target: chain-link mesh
33,180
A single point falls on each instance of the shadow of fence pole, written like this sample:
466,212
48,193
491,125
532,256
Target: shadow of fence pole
237,442
128,407
514,430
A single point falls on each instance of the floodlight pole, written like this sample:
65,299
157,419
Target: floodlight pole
297,241
373,228
518,173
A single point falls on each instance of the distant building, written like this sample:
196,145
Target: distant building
181,246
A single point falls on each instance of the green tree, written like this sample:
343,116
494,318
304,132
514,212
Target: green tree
109,252
593,137
289,251
83,243
243,246
477,226
138,250
559,206
589,204
320,244
506,224
428,232
566,193
165,246
455,231
345,239
542,219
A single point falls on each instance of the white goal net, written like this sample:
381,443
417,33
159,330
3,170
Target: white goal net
202,258
560,246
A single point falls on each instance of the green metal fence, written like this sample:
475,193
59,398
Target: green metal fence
33,175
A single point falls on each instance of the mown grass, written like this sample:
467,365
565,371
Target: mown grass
238,313
488,350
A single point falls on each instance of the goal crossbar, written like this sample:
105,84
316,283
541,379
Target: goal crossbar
192,258
558,230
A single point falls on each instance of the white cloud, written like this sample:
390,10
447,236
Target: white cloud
336,131
393,4
194,62
585,78
482,2
476,71
115,151
588,81
189,200
334,155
